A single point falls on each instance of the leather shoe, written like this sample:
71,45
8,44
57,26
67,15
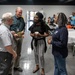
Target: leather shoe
18,69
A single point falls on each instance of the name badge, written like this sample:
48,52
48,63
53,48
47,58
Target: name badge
56,32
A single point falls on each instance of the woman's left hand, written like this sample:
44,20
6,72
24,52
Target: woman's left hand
49,40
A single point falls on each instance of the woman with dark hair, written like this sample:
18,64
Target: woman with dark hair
39,30
59,42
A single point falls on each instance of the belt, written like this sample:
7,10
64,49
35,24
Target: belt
5,54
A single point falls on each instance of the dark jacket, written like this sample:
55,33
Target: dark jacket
18,23
59,41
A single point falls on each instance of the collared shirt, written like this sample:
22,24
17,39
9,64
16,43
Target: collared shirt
18,24
6,38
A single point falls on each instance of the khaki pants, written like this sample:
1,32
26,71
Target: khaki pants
18,51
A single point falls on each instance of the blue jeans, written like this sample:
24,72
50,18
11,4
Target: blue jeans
60,65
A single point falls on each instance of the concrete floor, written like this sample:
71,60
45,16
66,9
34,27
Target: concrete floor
27,62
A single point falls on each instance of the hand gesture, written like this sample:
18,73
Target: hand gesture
16,35
49,40
14,55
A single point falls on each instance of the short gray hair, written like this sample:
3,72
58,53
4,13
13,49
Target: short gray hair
19,8
6,16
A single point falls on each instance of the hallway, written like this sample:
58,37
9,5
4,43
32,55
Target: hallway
27,61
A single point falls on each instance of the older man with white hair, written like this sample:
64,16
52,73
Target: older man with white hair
17,29
7,52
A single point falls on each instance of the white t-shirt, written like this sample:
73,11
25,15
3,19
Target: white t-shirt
6,38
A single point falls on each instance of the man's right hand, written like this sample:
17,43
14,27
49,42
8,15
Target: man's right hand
16,35
14,55
13,32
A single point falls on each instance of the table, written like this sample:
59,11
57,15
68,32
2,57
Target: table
71,36
71,39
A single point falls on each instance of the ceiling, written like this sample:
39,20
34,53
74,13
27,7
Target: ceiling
37,2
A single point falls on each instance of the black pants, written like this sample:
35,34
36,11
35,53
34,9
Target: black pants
5,63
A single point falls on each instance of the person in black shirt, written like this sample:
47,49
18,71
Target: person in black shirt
39,30
59,43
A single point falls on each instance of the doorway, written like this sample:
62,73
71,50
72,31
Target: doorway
30,18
